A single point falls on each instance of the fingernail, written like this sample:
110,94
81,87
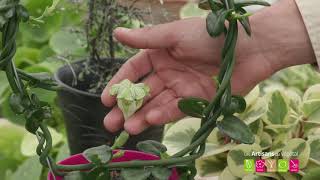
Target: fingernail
153,116
122,30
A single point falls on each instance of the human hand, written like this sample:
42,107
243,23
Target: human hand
180,58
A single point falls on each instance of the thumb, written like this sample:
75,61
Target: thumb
155,37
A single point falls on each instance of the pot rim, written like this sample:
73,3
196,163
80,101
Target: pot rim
173,176
70,88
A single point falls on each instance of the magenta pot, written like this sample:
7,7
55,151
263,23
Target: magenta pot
129,155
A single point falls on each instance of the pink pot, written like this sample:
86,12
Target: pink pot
128,156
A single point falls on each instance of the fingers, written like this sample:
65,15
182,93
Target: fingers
165,103
164,114
114,120
155,37
135,68
160,110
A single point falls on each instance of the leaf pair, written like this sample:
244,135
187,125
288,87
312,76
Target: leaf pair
152,147
193,107
98,155
215,22
236,129
233,104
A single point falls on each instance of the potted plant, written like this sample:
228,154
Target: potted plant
102,162
82,82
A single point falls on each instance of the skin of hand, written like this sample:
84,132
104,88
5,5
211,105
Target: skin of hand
179,59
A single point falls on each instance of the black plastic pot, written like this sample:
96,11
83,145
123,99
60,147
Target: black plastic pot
84,113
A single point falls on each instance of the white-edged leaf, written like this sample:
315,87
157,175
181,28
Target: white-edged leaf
179,135
211,166
226,174
252,96
255,111
314,148
312,93
265,141
278,108
299,147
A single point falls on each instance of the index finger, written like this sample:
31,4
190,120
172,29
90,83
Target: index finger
135,68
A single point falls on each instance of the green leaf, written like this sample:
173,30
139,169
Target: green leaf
252,96
37,34
236,129
30,170
135,173
314,148
309,107
161,173
212,165
266,141
257,127
7,112
26,56
227,175
300,147
237,105
278,108
214,149
210,5
193,107
312,174
255,111
312,93
98,155
68,42
121,140
246,25
180,134
152,147
278,129
45,66
11,137
16,104
49,10
215,22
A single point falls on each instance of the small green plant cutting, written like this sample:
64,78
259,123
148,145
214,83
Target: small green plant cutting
222,20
